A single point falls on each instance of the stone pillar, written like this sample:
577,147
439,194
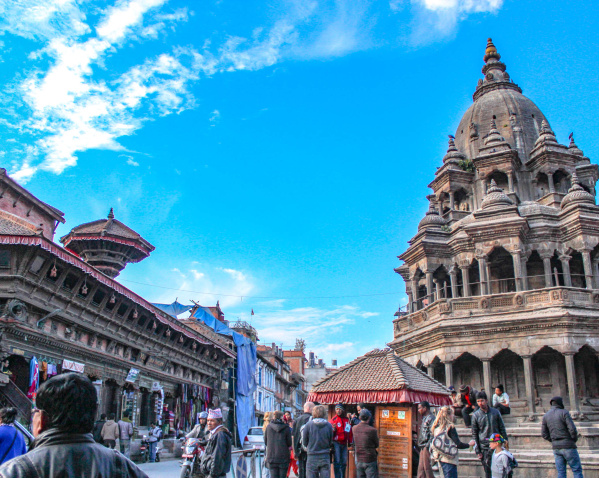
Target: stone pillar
572,388
550,181
487,376
451,200
429,286
588,267
453,277
437,289
448,373
410,307
510,182
430,370
528,383
596,271
466,280
517,270
414,294
482,272
524,260
565,260
546,256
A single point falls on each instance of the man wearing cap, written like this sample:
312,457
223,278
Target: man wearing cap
366,442
200,430
559,429
486,421
342,437
216,460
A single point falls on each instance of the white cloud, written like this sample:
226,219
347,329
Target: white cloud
214,118
237,275
132,162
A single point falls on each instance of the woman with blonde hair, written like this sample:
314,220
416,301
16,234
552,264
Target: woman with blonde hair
265,471
446,442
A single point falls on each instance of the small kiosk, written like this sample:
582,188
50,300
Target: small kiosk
391,388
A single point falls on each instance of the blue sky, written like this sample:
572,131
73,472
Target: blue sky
277,151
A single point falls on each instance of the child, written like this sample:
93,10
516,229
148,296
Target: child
502,459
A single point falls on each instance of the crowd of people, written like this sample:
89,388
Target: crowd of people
68,443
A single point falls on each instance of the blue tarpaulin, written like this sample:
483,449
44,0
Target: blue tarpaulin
173,309
246,370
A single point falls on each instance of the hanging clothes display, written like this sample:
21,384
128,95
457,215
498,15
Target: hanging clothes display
34,379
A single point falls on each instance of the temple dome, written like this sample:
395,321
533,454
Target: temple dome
432,218
495,197
577,194
498,98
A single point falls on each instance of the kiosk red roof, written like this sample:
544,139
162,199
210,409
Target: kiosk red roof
379,376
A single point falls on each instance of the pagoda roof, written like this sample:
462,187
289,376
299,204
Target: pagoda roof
380,376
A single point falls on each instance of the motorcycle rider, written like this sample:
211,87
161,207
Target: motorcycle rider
200,430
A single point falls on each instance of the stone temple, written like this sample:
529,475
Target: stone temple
502,276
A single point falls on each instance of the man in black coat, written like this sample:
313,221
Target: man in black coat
216,461
277,439
486,421
97,431
559,429
300,454
64,445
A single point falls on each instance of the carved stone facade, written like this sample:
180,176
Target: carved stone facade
502,275
63,310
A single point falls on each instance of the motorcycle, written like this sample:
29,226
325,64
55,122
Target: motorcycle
144,450
192,453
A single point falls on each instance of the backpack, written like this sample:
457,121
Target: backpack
513,463
444,446
301,435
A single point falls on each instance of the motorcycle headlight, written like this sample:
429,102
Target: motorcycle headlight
189,450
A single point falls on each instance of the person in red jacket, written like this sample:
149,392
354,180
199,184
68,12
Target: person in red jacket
342,437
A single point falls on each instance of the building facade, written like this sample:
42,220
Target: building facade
297,362
284,386
502,276
63,308
264,396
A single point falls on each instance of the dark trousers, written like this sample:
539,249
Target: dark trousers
301,465
318,466
466,411
502,408
110,443
278,470
486,461
569,456
367,470
340,459
425,470
449,470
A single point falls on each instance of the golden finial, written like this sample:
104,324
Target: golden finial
491,51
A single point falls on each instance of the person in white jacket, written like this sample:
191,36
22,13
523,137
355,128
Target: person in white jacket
501,459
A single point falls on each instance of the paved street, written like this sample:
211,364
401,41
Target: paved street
164,469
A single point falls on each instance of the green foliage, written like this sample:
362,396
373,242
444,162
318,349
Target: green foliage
466,165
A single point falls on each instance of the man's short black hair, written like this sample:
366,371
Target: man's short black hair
481,396
425,404
8,415
103,416
111,416
70,401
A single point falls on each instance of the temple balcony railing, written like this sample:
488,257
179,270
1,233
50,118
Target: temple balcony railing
459,307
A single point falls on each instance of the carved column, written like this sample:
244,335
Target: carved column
414,294
482,272
429,286
451,200
546,256
510,181
596,271
588,267
448,373
410,301
550,181
517,270
565,260
529,383
487,376
430,370
466,280
437,289
523,260
453,277
572,388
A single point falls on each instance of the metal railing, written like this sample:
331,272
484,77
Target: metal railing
253,460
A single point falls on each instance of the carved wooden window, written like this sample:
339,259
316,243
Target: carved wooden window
4,259
37,264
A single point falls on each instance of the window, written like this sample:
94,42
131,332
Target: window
69,282
256,431
4,259
37,264
98,297
260,376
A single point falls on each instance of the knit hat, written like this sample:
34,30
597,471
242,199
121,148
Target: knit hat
216,413
339,406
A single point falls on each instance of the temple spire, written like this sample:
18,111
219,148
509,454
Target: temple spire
491,52
111,214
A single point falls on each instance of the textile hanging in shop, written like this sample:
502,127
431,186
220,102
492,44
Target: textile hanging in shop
34,379
73,366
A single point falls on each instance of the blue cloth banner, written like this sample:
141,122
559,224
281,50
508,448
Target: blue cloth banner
246,370
173,309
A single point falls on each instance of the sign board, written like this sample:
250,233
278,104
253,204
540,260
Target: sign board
132,375
156,387
73,366
156,362
394,425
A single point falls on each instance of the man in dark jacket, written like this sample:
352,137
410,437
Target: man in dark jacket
97,431
216,460
366,442
317,440
298,451
425,470
486,421
559,429
277,439
468,395
64,445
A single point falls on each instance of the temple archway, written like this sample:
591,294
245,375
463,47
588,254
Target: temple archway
577,270
561,181
586,364
549,371
438,370
468,370
542,185
507,368
441,277
501,267
535,271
